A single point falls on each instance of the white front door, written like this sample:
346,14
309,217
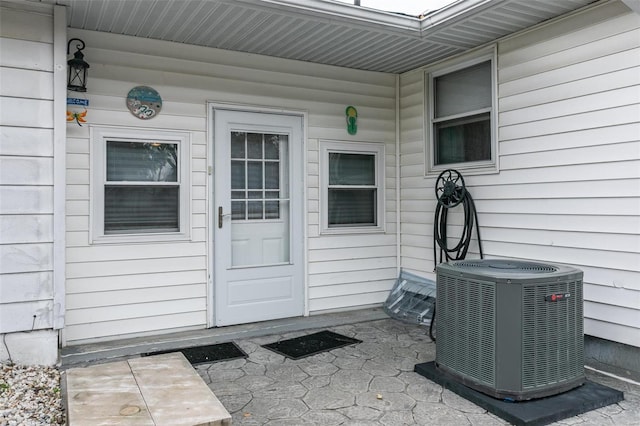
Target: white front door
257,214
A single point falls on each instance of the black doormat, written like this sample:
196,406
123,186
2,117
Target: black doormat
204,354
535,412
311,344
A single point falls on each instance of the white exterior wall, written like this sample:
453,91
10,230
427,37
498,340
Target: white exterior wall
568,190
29,204
124,290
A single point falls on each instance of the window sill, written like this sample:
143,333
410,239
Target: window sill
353,230
466,169
140,238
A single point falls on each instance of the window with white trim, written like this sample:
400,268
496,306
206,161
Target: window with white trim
461,118
140,185
352,179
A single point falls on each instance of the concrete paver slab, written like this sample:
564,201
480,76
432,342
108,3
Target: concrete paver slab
155,390
105,394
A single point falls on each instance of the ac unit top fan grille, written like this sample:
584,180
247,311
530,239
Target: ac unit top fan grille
506,266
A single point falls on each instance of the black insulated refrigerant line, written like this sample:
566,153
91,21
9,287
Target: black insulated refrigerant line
450,192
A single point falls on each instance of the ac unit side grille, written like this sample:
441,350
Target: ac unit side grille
552,334
466,327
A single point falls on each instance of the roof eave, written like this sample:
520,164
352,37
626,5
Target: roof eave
343,12
378,19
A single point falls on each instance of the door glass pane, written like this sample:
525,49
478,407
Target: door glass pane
255,209
237,175
260,210
238,210
272,175
272,146
254,174
272,209
238,144
254,145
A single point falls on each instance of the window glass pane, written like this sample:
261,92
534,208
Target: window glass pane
238,210
254,145
465,90
272,194
272,146
255,210
255,195
236,195
272,209
142,162
138,209
237,175
352,207
271,175
352,169
254,173
237,144
462,140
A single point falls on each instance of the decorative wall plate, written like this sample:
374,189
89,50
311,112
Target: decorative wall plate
144,102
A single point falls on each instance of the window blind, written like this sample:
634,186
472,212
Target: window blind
463,91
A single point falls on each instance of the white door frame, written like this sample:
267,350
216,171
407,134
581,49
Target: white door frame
212,106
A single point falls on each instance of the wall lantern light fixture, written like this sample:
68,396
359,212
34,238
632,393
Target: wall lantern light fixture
77,68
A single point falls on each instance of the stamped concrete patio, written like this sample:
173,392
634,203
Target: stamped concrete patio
371,383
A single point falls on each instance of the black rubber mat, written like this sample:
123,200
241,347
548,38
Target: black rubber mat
311,344
535,412
211,353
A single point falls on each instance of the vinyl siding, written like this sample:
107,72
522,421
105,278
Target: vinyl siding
124,290
26,169
568,190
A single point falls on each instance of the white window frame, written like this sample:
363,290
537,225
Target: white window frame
99,135
367,148
471,167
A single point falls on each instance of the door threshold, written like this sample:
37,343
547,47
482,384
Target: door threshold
95,353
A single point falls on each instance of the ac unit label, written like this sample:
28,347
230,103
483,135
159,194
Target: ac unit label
557,297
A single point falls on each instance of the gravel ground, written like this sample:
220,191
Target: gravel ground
30,396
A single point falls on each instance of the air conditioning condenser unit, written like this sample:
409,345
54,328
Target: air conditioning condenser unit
510,329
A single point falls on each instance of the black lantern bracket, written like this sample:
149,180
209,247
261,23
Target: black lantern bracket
77,68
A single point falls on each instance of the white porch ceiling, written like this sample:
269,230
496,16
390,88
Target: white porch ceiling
320,31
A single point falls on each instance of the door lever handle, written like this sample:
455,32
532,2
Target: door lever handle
221,216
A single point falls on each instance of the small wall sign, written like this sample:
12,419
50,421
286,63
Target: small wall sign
144,102
78,101
74,114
